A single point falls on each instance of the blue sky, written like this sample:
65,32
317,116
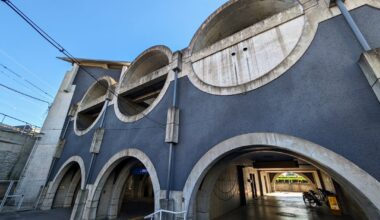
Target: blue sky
113,30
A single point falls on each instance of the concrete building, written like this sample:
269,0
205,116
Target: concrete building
264,87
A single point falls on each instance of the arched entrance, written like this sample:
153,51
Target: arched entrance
64,188
219,180
126,187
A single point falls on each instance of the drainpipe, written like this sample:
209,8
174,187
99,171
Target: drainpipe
171,144
94,153
350,21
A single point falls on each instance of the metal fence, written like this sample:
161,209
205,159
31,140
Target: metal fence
9,200
8,122
166,214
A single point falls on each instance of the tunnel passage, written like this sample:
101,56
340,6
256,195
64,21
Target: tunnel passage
127,192
143,81
267,183
68,188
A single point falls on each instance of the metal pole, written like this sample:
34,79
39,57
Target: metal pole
175,88
104,114
93,157
20,202
174,104
2,120
90,168
359,36
168,182
66,127
6,195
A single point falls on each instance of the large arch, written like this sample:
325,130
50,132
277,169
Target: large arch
95,190
361,184
54,184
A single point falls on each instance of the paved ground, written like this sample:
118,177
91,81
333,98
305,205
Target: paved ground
136,210
54,214
281,206
132,210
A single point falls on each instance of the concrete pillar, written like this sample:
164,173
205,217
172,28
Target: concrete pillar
370,64
35,173
79,205
317,180
328,182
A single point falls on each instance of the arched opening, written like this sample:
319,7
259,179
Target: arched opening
292,182
127,192
65,189
68,188
143,81
126,187
237,182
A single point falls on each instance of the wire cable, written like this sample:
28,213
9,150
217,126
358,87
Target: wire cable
24,94
26,69
30,83
61,49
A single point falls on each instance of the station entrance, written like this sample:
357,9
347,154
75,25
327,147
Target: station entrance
268,183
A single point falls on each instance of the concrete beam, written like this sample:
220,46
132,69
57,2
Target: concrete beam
369,62
97,140
172,125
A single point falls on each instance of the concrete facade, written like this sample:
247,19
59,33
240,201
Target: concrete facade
15,148
291,79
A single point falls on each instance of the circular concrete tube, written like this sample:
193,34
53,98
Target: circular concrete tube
92,104
361,185
142,85
235,16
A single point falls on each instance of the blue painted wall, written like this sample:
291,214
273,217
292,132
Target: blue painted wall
323,98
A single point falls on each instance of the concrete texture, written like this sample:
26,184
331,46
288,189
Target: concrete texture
316,104
370,64
35,174
250,59
93,104
150,66
15,148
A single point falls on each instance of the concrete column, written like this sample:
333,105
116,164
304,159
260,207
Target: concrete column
35,173
317,180
257,181
370,64
79,205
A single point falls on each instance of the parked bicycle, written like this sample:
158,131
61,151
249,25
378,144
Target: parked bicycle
310,199
314,199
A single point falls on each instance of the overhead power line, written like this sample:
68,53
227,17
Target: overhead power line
30,83
26,69
61,49
24,94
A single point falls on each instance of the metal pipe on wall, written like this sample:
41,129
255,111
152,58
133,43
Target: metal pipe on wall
171,154
93,156
354,27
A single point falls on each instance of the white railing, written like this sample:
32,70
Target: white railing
161,211
8,194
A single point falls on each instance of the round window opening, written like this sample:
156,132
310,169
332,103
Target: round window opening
143,81
92,104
